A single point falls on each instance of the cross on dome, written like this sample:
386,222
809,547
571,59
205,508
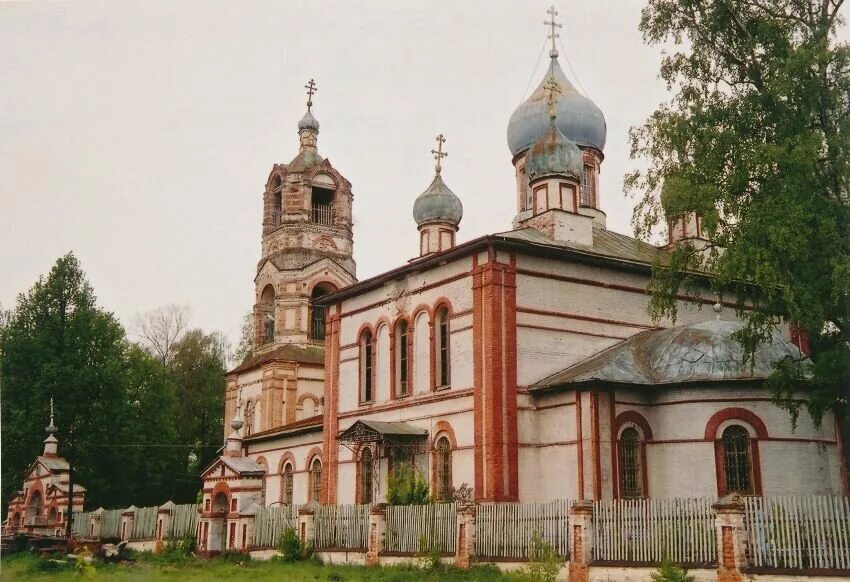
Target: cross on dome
553,89
553,12
51,428
439,154
311,90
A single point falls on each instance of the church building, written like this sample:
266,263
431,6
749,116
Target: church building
40,507
522,364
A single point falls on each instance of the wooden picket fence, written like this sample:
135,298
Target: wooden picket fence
506,530
184,520
144,523
648,530
271,522
110,523
80,524
413,529
341,526
798,532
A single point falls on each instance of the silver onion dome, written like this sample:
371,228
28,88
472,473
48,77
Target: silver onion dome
553,154
437,204
578,118
308,122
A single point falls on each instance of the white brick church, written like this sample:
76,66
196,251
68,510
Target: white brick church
522,363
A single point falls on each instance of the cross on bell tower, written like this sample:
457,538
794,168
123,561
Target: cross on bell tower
439,154
553,12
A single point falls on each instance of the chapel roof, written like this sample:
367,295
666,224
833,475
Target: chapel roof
240,465
698,352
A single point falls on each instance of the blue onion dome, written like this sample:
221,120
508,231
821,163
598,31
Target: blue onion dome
437,204
308,122
578,118
553,154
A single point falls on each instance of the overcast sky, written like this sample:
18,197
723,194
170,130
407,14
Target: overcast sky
140,134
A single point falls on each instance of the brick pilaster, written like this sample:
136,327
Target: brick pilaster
330,446
306,524
731,539
465,547
581,552
377,533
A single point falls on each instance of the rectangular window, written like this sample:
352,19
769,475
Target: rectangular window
587,186
403,360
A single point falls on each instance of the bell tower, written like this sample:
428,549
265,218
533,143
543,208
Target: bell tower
307,243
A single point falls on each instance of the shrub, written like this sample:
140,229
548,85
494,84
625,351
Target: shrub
670,572
406,487
178,550
544,563
234,557
428,556
292,549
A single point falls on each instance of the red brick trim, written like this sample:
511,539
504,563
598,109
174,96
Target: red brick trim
580,438
574,331
711,433
286,457
330,446
443,428
579,317
595,449
634,417
735,413
478,376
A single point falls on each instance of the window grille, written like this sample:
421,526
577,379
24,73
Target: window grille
317,331
403,359
736,460
366,354
316,480
444,469
287,484
443,333
630,464
366,476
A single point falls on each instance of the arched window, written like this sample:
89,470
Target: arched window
443,367
366,366
286,487
402,356
276,190
317,312
220,503
316,480
737,468
588,183
366,485
630,464
34,509
443,459
267,313
322,199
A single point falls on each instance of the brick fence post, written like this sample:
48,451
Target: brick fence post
465,546
377,533
581,529
128,518
306,525
94,523
731,538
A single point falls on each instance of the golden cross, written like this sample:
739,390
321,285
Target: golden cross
553,52
439,154
311,90
553,88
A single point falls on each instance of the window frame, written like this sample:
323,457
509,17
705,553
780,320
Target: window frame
402,358
287,488
443,468
316,479
637,470
366,484
732,469
367,367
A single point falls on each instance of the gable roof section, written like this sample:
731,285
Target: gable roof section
285,353
701,352
242,466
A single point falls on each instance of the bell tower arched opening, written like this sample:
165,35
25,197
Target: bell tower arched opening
317,312
267,315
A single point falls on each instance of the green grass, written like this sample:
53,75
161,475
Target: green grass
25,567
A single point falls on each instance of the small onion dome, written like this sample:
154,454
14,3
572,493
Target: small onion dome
578,118
553,154
308,122
51,428
437,204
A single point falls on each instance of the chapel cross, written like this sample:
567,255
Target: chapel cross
51,410
553,89
552,12
439,154
311,90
